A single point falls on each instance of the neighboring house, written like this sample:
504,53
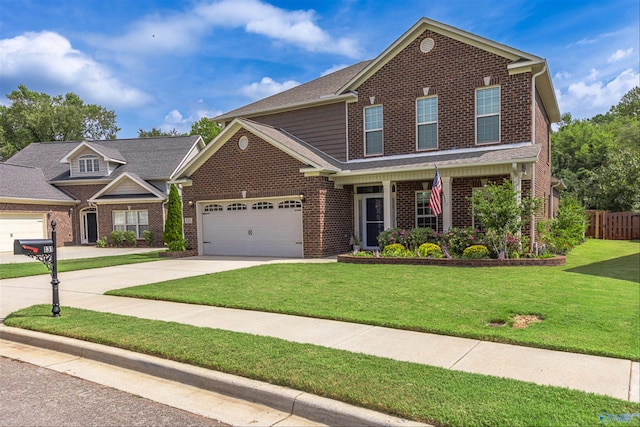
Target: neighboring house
90,188
355,152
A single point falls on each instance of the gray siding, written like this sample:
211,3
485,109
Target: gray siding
324,127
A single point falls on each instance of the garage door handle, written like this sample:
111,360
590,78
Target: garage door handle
206,242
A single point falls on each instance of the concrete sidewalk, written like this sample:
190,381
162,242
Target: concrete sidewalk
83,289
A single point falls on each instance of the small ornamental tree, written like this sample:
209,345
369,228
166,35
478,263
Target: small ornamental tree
498,210
173,223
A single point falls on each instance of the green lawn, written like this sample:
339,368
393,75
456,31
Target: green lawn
588,306
9,271
418,392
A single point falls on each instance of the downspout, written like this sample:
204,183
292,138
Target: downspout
532,233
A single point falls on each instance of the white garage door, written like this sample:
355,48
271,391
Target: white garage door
257,228
20,226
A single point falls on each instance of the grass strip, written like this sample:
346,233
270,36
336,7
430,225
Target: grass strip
23,269
588,306
418,392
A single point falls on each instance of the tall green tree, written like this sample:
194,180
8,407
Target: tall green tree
206,128
598,158
158,133
173,223
38,117
203,127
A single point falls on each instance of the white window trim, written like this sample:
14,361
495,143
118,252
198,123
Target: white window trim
88,159
425,216
499,114
418,124
137,223
381,129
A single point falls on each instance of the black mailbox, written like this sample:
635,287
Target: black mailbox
32,246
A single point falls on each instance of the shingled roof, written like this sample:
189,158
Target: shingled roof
149,158
322,88
19,182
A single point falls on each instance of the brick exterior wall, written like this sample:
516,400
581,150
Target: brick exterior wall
104,214
156,219
60,213
452,71
263,170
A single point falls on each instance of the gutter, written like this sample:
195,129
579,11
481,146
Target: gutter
532,232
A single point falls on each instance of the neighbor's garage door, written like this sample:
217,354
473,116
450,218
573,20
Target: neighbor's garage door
258,228
19,226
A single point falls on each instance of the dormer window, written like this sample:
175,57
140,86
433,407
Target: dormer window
89,163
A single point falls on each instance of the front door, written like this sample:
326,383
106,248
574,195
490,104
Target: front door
89,226
373,216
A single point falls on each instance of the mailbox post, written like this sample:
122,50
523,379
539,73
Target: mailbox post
45,251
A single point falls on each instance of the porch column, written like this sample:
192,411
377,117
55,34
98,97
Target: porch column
386,190
446,203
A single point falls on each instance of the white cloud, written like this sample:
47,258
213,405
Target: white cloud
181,32
175,120
585,99
50,58
562,75
620,54
267,87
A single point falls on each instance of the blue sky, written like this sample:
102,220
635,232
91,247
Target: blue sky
165,64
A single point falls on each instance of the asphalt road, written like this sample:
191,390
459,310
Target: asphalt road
35,396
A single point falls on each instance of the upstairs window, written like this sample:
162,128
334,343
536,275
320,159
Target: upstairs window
427,121
89,164
373,130
488,115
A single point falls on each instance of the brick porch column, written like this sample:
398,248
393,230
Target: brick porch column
446,203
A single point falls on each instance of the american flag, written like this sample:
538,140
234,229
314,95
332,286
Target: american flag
434,201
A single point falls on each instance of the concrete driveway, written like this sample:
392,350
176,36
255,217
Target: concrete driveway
74,285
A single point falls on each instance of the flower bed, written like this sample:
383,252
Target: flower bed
455,262
178,254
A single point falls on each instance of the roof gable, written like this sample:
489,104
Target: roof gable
126,187
108,154
280,139
149,158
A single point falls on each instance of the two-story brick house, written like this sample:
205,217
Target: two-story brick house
355,152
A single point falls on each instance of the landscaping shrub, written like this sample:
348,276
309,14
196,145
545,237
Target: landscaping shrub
395,235
178,245
476,252
394,250
456,240
130,237
148,237
567,230
102,242
420,236
430,250
117,237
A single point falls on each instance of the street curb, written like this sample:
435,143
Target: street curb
301,404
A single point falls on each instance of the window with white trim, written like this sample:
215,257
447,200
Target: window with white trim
488,115
136,221
427,122
424,217
89,163
373,130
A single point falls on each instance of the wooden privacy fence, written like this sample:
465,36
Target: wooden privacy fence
613,225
